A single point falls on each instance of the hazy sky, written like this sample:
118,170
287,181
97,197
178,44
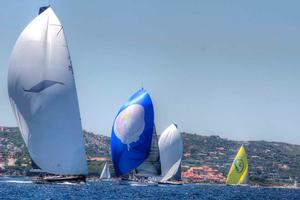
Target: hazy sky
230,68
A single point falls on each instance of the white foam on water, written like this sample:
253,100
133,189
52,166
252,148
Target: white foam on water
69,183
138,185
16,181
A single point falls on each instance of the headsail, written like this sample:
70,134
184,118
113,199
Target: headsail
105,174
43,96
132,132
171,150
238,172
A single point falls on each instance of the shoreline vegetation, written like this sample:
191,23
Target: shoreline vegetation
206,159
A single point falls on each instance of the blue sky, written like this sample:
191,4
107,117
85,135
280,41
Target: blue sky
229,68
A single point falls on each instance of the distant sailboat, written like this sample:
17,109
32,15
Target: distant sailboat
171,149
238,173
133,139
105,174
43,97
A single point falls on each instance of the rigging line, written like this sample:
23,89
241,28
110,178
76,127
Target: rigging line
59,30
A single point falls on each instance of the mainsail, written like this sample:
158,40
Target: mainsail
171,150
238,173
105,174
151,166
132,133
43,96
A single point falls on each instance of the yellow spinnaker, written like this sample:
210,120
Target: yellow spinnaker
239,169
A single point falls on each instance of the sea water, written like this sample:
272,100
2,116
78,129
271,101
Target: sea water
23,188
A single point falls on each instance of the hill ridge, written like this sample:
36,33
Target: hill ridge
269,162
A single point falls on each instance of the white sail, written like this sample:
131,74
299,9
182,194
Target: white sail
105,174
43,96
151,166
171,150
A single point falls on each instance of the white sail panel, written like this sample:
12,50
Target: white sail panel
171,150
105,174
43,96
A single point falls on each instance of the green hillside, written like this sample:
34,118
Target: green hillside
269,162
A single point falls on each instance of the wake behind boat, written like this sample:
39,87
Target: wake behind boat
43,97
18,180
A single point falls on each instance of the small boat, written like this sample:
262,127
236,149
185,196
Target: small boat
238,173
170,149
42,93
134,145
105,174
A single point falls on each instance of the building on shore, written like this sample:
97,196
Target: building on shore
98,159
203,174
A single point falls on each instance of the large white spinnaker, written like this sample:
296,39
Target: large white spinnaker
171,150
43,96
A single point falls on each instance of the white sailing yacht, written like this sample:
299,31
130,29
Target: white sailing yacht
43,97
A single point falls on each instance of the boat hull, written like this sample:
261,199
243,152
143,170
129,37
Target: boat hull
171,183
59,179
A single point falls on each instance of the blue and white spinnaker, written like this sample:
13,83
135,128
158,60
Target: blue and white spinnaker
132,131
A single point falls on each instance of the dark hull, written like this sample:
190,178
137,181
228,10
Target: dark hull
59,179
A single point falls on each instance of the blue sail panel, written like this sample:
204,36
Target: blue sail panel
42,9
131,134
